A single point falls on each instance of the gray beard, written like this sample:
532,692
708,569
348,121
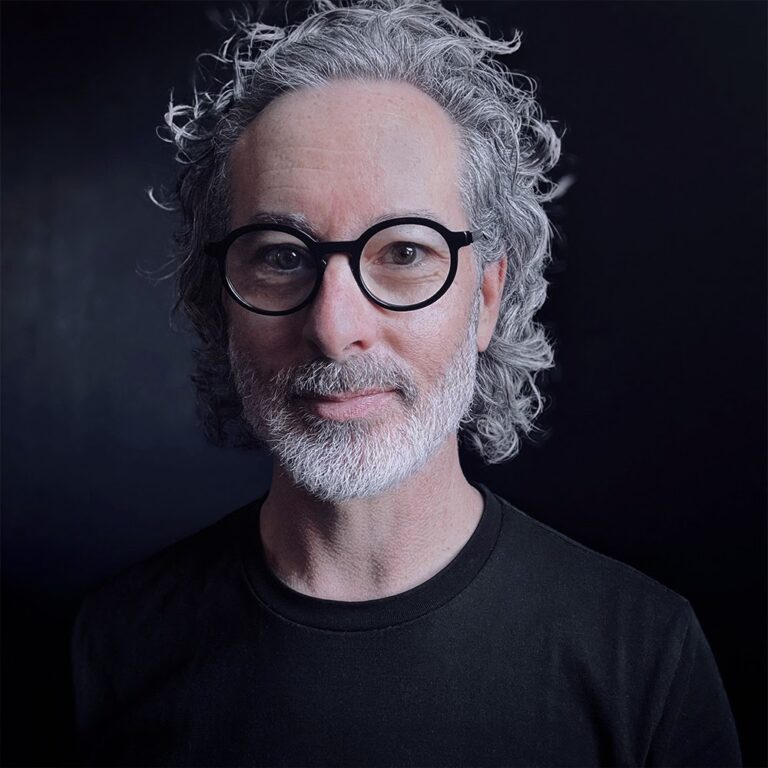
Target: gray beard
357,458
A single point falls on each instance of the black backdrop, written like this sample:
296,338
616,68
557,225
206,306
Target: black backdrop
657,416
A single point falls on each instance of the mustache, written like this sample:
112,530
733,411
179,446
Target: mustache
331,377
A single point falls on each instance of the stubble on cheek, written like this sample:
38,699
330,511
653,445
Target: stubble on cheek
251,384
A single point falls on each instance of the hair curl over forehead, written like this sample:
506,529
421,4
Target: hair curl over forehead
507,150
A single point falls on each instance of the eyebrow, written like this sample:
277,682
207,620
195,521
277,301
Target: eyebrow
302,223
295,220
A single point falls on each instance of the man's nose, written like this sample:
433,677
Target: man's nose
341,321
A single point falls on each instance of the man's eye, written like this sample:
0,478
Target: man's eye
284,259
404,254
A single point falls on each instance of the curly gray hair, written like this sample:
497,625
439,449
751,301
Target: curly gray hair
507,150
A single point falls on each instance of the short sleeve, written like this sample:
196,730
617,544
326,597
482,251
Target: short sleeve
696,727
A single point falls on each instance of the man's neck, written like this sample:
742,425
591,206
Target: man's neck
364,549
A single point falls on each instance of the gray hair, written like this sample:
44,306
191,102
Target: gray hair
507,150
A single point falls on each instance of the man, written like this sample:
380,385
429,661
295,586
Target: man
362,259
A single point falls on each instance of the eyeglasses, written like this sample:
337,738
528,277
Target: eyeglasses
400,264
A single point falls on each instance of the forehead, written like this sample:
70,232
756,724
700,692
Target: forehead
344,153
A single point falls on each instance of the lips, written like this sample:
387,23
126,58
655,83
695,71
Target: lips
341,406
343,397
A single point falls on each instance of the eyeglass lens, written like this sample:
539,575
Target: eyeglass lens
401,265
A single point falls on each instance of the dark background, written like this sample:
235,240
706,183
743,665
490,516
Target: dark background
657,448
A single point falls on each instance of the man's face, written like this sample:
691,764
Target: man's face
343,156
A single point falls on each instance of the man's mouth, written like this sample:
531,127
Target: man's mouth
347,405
340,397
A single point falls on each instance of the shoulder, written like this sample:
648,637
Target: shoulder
145,621
559,557
580,588
627,639
162,582
601,618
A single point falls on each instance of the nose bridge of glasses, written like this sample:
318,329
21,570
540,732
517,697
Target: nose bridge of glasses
326,250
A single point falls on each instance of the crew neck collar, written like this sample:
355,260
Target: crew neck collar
382,612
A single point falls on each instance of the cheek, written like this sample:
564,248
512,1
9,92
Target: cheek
428,343
267,339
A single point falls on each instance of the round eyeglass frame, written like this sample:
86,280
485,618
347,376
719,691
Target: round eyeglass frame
321,250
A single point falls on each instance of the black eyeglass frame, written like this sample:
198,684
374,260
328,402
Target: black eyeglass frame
352,248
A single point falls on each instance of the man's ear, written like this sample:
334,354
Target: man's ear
494,276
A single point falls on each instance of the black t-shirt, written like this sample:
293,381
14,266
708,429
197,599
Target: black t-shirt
527,649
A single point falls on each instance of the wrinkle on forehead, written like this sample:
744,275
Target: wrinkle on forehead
348,148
